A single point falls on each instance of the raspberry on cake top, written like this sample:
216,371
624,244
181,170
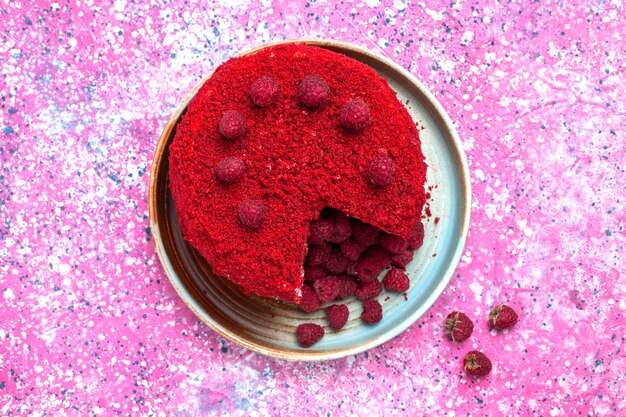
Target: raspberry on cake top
274,137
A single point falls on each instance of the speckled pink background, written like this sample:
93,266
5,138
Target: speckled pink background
89,324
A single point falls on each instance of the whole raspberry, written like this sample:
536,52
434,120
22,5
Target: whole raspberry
365,234
372,312
230,169
309,301
381,170
396,280
313,273
337,315
347,288
327,288
502,317
458,326
379,253
342,229
417,238
232,124
373,261
252,213
313,91
368,290
355,115
351,270
264,91
401,260
393,243
335,264
476,363
351,249
309,333
368,269
318,254
320,230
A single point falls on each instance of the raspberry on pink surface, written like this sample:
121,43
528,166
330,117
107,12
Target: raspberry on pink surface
355,115
252,213
232,124
327,288
396,280
477,363
458,326
264,91
313,91
502,317
310,301
230,169
337,315
309,333
372,312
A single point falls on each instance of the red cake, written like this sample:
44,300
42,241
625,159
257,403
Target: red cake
272,139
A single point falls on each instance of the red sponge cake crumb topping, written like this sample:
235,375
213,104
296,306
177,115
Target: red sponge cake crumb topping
258,155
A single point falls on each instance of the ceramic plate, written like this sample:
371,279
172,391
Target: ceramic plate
268,327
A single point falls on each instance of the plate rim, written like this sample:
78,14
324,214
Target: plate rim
457,154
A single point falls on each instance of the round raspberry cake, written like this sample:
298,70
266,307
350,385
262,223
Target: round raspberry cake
295,153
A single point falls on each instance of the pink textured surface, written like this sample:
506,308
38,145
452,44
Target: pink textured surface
89,325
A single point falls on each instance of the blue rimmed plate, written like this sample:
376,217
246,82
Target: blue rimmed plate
267,326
